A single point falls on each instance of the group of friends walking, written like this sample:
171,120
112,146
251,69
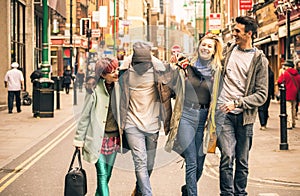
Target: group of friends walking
220,88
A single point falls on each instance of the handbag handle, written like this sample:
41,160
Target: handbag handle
76,152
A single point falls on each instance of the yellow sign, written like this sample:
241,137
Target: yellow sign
109,40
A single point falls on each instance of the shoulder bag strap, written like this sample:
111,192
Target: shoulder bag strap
77,151
294,81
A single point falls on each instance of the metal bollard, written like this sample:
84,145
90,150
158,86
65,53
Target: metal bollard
58,93
283,118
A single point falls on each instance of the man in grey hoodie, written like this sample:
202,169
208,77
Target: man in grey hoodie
244,89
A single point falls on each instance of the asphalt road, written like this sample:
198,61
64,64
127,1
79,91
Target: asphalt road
41,171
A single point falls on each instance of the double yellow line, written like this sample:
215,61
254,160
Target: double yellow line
24,166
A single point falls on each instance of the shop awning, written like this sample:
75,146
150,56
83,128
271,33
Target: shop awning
59,6
265,40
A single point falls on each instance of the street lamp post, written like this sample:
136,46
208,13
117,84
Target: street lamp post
285,8
204,17
71,53
195,33
45,49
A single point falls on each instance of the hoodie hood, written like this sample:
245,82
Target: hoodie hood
292,71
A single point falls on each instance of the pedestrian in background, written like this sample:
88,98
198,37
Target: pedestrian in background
291,79
282,69
297,64
244,89
80,79
145,102
67,79
14,82
195,84
36,74
98,131
263,111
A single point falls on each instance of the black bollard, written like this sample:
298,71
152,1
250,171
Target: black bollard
283,118
58,93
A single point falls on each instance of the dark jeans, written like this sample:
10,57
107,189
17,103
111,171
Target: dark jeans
263,112
67,87
190,136
234,142
11,95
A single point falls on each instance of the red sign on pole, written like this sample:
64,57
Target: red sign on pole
215,22
245,4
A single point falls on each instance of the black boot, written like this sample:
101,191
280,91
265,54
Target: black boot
184,190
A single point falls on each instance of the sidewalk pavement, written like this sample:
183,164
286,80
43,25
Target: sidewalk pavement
268,164
21,131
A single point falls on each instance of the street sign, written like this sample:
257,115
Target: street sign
215,21
96,33
245,4
96,16
108,52
103,15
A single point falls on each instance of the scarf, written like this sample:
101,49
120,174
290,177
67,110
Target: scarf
142,68
203,67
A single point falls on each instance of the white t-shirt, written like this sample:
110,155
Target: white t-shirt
236,76
144,105
14,77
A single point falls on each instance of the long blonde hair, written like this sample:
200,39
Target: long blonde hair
216,57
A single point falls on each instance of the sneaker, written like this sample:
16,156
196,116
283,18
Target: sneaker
290,128
135,193
19,111
184,190
10,112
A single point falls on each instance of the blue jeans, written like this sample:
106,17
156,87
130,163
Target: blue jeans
234,142
190,137
143,149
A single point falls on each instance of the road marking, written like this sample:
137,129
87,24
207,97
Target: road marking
252,181
20,169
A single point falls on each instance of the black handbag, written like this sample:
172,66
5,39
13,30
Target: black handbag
75,179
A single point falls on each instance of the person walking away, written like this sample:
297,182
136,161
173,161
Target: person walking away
291,80
193,100
80,79
14,82
297,64
36,74
98,132
263,111
145,102
244,88
67,78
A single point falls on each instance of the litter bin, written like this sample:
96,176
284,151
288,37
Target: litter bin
43,98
